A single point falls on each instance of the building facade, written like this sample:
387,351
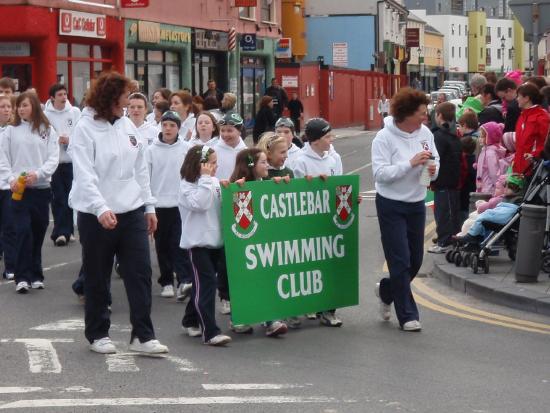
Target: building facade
160,45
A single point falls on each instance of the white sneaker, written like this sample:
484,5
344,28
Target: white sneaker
22,287
329,319
37,285
311,316
219,340
103,346
193,331
149,347
9,276
72,238
241,328
183,291
413,325
61,241
225,307
293,322
436,249
167,291
276,329
384,309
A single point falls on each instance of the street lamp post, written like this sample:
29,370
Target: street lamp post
502,48
512,55
420,63
439,67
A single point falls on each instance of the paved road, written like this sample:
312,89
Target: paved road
470,357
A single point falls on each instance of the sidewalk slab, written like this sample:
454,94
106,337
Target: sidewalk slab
498,287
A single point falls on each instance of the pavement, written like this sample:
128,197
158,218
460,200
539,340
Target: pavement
499,286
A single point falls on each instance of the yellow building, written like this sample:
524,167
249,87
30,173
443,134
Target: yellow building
519,45
477,41
293,24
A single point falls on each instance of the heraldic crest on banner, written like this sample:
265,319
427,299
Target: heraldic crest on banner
244,226
344,214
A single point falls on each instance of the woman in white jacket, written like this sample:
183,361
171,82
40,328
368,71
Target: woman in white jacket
399,152
30,146
116,213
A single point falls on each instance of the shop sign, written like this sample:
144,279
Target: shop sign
340,54
290,81
75,23
150,32
248,42
246,3
283,49
413,37
18,49
134,3
481,67
310,266
211,40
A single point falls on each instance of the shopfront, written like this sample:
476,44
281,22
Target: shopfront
257,68
42,46
209,59
158,55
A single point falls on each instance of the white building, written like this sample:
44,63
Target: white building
455,50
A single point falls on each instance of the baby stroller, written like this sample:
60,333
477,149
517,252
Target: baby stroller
504,237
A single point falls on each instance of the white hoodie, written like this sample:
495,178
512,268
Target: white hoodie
226,158
164,162
392,150
110,173
293,152
211,143
200,211
188,125
26,150
308,162
63,122
148,133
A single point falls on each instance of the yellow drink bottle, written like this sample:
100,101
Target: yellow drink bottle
17,195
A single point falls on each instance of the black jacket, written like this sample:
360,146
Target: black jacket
265,121
512,115
492,113
450,155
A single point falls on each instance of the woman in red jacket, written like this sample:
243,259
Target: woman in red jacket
531,127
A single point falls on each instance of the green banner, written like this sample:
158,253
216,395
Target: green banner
291,248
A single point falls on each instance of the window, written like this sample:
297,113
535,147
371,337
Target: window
510,54
459,29
481,53
466,51
493,11
459,51
509,32
439,7
499,32
466,29
153,69
78,64
453,51
488,31
499,55
267,10
247,13
481,30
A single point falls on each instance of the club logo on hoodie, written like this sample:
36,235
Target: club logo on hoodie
244,226
133,140
44,134
344,201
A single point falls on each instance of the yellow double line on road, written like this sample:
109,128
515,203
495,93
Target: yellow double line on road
429,298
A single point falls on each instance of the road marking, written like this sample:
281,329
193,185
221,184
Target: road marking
61,264
42,354
359,169
73,324
15,390
349,154
252,386
427,291
432,306
142,401
121,363
183,364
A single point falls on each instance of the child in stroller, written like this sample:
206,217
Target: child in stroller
468,246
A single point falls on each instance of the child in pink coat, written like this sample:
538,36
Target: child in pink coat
488,162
